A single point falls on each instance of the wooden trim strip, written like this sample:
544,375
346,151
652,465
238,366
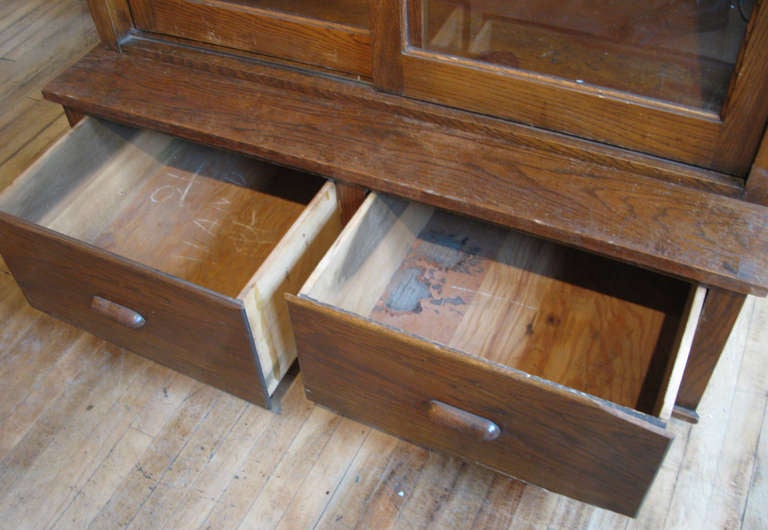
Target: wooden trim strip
387,34
756,189
745,112
718,315
305,40
666,130
113,20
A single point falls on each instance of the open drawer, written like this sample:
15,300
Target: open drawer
540,361
173,250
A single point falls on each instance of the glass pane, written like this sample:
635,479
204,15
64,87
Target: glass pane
681,51
346,12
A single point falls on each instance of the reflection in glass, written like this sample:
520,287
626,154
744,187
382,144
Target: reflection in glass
682,51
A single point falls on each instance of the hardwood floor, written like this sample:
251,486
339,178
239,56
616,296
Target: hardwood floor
94,436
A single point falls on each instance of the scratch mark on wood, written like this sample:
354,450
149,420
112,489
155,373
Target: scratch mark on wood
207,226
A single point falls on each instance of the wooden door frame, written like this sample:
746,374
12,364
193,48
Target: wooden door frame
724,141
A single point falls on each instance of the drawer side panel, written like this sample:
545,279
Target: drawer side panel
564,441
187,328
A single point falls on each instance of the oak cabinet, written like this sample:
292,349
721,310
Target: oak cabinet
567,210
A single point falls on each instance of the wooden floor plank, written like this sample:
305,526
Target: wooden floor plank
74,451
756,512
352,494
101,485
47,389
277,434
151,467
271,503
31,357
754,378
198,450
312,498
102,482
58,415
500,503
397,485
694,486
197,500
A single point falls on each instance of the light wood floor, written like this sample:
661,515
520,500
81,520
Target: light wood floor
91,435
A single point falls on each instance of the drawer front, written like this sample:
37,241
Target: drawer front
542,433
173,322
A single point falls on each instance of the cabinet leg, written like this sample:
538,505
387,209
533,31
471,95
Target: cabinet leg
73,116
721,308
350,197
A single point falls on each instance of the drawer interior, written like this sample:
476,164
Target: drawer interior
228,226
592,324
206,216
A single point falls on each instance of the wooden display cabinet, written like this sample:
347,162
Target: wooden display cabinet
610,167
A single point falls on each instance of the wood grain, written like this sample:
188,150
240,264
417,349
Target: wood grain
261,30
350,198
581,321
675,131
625,215
284,271
756,189
113,20
378,376
195,331
183,209
32,52
721,308
745,113
387,44
45,438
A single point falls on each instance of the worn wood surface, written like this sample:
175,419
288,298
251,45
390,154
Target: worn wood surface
89,432
350,198
377,376
757,183
284,271
113,20
194,331
196,213
251,28
386,20
348,132
29,125
721,308
549,311
231,224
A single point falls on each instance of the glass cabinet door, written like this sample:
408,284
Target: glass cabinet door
656,76
677,51
330,34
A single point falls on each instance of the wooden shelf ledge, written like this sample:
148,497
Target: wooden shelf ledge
667,217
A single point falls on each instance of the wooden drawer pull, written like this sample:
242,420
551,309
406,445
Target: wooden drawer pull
460,420
120,314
